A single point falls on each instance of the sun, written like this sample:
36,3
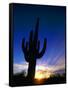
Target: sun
42,73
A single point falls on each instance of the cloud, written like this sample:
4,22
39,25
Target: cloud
58,68
18,68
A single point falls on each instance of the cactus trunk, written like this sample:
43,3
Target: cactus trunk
31,69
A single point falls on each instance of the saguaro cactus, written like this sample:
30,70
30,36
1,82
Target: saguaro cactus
32,51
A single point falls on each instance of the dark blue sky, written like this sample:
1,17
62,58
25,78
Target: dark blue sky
51,27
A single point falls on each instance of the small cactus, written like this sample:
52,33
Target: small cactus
31,50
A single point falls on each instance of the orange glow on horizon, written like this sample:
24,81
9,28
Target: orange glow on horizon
42,73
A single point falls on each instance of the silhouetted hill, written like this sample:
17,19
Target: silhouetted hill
20,79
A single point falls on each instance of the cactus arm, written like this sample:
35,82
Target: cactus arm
26,58
23,45
25,49
38,46
40,54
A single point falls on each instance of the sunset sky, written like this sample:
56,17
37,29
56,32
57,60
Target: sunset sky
51,27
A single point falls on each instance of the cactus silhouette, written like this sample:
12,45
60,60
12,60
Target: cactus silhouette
32,51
